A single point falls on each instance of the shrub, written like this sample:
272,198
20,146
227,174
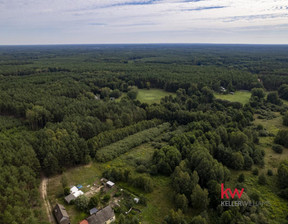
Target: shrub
277,148
66,191
254,196
270,172
117,194
262,179
241,178
82,202
255,172
282,138
93,202
141,169
106,198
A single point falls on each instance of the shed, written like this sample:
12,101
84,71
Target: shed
136,200
61,214
84,222
70,198
110,183
93,211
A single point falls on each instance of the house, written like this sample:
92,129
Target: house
61,214
69,198
103,216
84,222
75,193
93,211
110,183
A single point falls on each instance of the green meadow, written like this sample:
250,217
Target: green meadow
151,96
238,96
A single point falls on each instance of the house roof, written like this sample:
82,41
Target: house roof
61,214
110,183
83,222
69,198
93,211
101,216
78,193
73,189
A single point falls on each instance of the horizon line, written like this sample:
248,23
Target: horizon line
87,44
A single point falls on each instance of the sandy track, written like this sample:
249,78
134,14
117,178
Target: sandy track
43,190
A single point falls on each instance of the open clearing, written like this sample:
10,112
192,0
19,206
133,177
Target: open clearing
160,201
241,96
152,95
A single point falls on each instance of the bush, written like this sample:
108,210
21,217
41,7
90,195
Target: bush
117,194
262,179
270,172
260,127
141,169
277,148
66,191
254,196
106,198
283,174
93,202
263,133
143,200
255,172
82,203
241,178
282,138
285,119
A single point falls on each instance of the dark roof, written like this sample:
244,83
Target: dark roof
69,198
101,216
61,214
93,211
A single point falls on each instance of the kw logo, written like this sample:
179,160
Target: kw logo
225,192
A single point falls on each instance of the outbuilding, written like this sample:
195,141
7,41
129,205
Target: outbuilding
110,184
61,214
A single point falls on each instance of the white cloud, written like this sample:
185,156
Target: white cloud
96,21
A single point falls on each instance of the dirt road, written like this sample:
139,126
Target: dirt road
43,189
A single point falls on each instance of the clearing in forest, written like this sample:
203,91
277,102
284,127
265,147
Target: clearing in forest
239,96
152,95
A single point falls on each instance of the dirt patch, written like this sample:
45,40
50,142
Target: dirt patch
43,190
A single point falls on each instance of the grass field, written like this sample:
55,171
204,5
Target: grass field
152,95
239,96
279,208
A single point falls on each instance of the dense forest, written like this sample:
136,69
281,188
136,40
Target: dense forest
65,106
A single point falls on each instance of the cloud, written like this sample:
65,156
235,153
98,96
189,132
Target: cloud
255,17
205,8
98,21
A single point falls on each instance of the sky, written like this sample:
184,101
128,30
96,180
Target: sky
143,21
